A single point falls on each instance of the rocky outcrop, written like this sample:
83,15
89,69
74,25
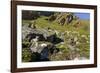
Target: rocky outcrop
63,18
34,36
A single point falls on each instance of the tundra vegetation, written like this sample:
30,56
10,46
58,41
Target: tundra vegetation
54,36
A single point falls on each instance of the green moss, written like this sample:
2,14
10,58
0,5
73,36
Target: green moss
26,55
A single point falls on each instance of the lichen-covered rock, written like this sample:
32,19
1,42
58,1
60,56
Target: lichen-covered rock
63,18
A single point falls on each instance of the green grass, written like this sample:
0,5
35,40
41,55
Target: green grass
42,23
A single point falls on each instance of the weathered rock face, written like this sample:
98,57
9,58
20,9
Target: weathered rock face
44,35
29,32
34,36
63,18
